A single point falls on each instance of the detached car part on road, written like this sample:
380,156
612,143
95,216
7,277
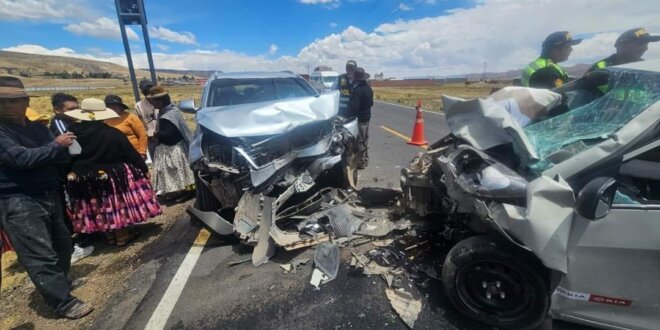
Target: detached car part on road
552,199
266,154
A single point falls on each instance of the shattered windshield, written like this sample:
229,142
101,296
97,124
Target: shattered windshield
558,138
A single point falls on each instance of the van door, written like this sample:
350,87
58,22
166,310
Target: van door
614,263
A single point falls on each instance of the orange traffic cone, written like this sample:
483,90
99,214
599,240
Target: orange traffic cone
418,130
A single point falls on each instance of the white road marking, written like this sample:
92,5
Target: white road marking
407,107
162,313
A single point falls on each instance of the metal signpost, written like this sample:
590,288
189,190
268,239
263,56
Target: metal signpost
131,12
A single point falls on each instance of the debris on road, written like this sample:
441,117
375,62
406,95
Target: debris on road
405,305
293,266
326,260
238,262
318,278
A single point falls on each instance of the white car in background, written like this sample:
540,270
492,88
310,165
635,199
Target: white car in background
323,80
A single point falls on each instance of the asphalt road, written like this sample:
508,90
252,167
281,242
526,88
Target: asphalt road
217,296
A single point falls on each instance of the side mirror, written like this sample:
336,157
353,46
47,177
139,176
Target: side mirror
596,197
188,106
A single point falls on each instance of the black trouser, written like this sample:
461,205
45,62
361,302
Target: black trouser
363,145
35,225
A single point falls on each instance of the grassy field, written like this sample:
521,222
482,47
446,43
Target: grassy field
40,101
431,97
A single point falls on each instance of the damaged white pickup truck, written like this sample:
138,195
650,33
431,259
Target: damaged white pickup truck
267,155
552,199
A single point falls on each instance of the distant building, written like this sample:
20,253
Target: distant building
379,76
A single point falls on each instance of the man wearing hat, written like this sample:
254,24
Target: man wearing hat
630,47
360,103
345,86
545,72
30,202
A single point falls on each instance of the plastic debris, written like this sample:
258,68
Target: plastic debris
293,266
318,278
326,260
405,305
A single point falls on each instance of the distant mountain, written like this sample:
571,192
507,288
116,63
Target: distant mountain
32,65
576,71
196,73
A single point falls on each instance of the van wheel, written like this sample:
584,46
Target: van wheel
495,283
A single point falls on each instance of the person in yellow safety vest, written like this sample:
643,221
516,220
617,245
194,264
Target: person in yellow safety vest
545,72
344,84
630,47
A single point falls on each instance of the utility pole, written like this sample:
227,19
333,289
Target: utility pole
483,77
131,12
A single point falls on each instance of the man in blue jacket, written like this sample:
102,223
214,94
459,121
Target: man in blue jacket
30,202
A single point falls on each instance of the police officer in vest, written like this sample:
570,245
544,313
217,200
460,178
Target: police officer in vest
545,72
345,86
630,47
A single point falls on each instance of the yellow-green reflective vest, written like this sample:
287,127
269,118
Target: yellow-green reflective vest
538,64
602,64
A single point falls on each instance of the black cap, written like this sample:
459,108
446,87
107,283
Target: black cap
145,85
636,34
351,63
114,99
560,38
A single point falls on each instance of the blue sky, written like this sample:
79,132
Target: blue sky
247,27
398,37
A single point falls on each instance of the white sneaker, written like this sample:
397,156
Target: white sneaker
81,252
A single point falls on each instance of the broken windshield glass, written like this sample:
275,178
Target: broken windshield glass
629,93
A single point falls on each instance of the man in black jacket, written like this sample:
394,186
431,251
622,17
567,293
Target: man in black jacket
30,202
359,105
344,84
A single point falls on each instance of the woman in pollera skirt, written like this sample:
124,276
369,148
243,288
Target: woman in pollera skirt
108,188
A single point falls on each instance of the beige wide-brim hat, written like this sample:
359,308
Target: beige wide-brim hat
156,92
92,109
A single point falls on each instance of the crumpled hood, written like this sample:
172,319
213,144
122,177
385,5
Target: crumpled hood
268,118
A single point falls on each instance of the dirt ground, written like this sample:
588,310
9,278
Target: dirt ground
431,97
105,270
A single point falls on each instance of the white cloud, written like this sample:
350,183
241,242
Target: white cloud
163,33
457,42
52,10
333,25
330,4
430,2
272,50
162,47
102,27
404,7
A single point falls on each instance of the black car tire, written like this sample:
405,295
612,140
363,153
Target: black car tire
496,283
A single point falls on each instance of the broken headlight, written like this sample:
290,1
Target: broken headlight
486,178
